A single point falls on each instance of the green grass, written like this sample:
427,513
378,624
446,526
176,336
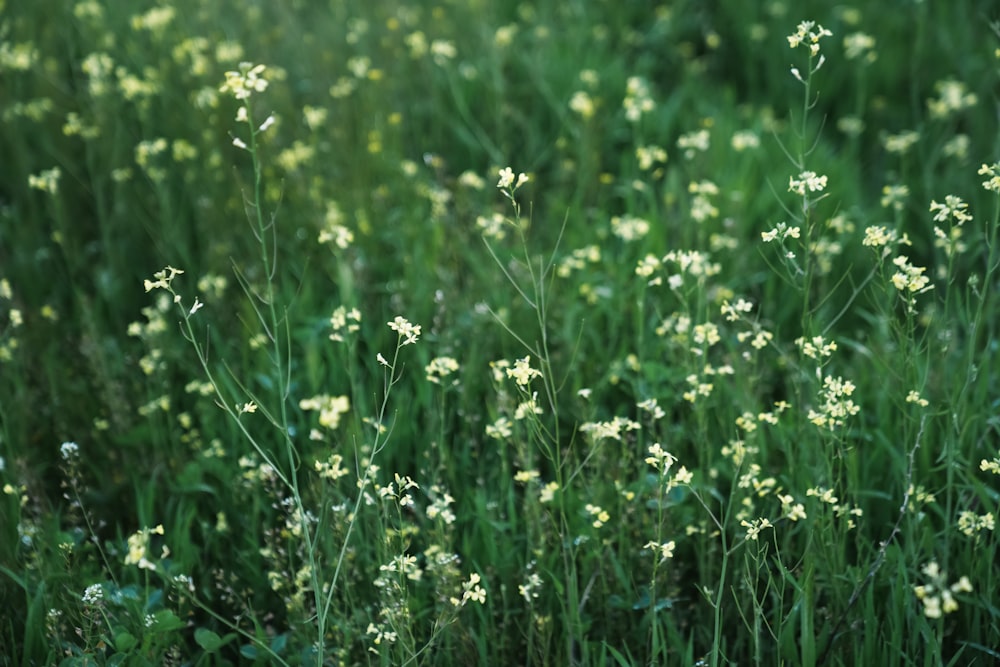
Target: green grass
664,405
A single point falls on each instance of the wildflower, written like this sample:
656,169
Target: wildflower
93,594
407,331
609,429
993,171
816,347
649,155
529,589
46,181
442,51
268,122
387,636
744,140
637,99
852,126
780,232
472,180
582,104
937,596
952,97
440,507
525,476
599,515
245,82
754,528
138,548
837,404
660,458
343,320
732,311
163,279
807,180
877,236
952,207
522,372
440,368
330,408
790,509
909,278
859,44
629,228
332,469
506,181
694,142
529,407
69,450
548,492
990,466
666,549
707,333
900,143
652,407
970,524
500,429
471,590
155,20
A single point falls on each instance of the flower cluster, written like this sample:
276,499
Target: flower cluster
138,548
599,515
807,180
804,34
408,333
909,277
816,347
609,430
330,408
952,97
781,232
344,320
471,590
637,99
665,549
992,171
440,368
937,596
755,527
245,82
522,372
837,404
507,181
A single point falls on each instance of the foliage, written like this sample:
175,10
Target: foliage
499,333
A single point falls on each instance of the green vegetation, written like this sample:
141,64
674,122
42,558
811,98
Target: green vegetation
540,333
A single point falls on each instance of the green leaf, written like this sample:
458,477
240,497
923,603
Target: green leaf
125,641
208,640
619,658
279,642
249,651
166,621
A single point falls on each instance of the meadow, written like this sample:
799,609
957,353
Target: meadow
474,332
